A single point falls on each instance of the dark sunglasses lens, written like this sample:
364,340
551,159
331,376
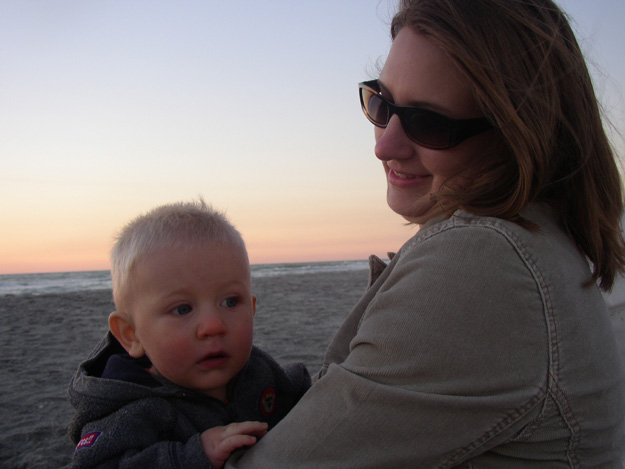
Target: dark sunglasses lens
428,129
376,108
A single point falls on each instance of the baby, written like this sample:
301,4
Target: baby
178,367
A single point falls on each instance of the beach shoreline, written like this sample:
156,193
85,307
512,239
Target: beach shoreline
45,337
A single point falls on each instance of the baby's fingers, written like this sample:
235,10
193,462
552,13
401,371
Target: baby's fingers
258,429
234,442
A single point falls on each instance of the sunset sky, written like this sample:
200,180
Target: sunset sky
109,108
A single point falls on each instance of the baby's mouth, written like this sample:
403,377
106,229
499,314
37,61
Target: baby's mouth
214,360
214,356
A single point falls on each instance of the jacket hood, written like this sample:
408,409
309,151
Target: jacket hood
92,401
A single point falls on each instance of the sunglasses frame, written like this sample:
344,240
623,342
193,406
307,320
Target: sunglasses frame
459,129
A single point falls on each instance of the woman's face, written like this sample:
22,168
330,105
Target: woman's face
418,73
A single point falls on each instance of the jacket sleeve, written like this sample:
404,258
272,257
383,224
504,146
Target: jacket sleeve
447,359
135,436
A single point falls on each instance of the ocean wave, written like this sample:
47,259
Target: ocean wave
65,282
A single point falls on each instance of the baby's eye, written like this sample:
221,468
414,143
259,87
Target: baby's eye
182,310
230,302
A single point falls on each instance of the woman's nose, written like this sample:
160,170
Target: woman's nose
392,143
210,324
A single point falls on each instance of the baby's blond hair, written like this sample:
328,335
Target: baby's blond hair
177,225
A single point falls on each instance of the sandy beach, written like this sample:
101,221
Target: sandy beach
44,338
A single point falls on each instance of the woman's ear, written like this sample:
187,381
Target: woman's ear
122,327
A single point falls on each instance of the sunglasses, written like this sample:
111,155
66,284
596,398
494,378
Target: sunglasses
427,128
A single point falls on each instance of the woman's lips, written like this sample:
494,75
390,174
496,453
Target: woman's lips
405,180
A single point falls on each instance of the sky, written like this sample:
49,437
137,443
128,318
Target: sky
109,108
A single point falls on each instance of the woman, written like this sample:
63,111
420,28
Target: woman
485,341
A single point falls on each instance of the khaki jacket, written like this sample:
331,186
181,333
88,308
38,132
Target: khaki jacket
477,347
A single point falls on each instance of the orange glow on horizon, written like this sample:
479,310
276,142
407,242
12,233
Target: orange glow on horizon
61,257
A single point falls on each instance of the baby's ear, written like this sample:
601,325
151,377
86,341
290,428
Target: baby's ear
122,327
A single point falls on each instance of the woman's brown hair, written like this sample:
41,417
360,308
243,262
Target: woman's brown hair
530,78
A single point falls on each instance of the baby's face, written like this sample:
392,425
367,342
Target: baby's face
193,314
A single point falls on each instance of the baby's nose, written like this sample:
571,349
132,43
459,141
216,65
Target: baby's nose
210,324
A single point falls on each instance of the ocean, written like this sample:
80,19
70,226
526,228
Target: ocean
64,282
50,323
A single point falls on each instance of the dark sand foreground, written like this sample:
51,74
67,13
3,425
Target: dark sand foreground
44,337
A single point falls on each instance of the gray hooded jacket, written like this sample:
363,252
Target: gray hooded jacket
126,424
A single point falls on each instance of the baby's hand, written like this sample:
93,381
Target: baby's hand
219,442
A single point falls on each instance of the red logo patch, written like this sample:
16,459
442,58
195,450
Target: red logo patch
268,401
88,440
